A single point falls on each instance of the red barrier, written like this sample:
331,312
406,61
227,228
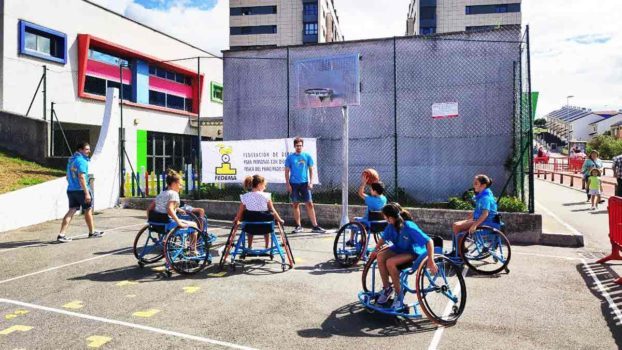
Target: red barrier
615,232
541,160
575,164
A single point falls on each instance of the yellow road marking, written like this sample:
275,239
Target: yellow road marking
16,314
218,274
126,283
131,296
191,289
74,305
16,328
146,313
95,341
21,312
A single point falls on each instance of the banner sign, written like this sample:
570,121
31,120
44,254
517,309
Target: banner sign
444,110
232,161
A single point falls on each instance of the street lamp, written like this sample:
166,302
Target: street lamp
568,100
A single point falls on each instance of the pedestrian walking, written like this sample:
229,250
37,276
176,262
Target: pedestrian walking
299,181
595,186
79,192
592,162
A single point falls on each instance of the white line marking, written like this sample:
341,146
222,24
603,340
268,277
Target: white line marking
438,334
566,225
548,256
77,236
61,266
126,324
601,288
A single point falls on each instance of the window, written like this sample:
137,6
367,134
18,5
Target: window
428,12
188,102
255,10
175,102
427,30
216,92
157,98
95,86
311,28
309,9
252,30
172,76
497,8
166,151
41,42
101,56
127,89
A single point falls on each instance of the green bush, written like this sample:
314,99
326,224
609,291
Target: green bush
511,205
459,204
607,146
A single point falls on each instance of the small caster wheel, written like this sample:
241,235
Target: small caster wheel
168,273
283,267
507,271
271,257
141,264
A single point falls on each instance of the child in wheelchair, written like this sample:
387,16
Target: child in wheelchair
375,201
485,212
166,206
256,205
408,242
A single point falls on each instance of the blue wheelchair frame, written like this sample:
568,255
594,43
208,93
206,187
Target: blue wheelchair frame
278,246
362,253
484,244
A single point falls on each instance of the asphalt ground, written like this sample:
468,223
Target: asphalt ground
91,292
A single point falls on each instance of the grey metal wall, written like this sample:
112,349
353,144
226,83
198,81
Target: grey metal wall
393,127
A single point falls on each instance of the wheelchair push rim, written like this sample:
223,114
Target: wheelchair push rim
349,256
148,246
486,251
178,250
228,245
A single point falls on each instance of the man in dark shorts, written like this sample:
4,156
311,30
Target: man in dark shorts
299,180
78,192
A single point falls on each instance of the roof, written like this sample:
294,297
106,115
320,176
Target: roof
605,117
617,124
570,114
148,27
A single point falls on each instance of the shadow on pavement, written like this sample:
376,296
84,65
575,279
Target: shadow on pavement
330,266
607,276
574,203
33,244
353,320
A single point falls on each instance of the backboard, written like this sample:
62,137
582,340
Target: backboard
335,76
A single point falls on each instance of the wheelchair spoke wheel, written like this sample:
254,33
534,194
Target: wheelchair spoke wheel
371,277
487,251
350,244
187,250
286,246
228,245
148,246
442,296
189,216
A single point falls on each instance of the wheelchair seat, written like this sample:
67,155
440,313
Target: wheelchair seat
256,222
159,222
376,220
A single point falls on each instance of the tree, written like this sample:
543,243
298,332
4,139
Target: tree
540,122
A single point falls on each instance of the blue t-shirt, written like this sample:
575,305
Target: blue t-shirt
299,165
485,200
78,164
409,240
374,203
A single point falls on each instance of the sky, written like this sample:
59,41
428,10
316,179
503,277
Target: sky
576,44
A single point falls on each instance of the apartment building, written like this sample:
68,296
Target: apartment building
272,23
444,16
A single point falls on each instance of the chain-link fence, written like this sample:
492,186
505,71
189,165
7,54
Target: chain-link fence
420,159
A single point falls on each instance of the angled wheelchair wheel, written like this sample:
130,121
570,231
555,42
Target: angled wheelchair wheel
349,251
228,245
196,220
183,254
442,296
148,246
486,251
371,276
286,246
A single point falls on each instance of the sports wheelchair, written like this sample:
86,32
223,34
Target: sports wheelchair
352,239
279,244
162,238
486,251
441,296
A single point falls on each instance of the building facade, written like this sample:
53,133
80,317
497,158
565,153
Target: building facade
571,123
87,53
272,23
445,16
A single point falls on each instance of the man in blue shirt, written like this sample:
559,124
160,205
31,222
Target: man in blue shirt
78,192
299,181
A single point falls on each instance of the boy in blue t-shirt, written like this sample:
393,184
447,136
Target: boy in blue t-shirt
375,201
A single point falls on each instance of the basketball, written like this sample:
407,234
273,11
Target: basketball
371,176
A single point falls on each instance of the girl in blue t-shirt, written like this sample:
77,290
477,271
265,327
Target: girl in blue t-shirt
408,243
485,207
375,201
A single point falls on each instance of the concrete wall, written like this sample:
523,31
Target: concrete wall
435,158
520,228
26,137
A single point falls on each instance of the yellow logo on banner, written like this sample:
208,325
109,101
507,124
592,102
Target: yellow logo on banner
225,169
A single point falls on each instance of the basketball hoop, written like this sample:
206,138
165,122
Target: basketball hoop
321,93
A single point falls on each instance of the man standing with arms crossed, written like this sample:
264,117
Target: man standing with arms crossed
299,181
78,192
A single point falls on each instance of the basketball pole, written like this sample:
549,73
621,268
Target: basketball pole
345,170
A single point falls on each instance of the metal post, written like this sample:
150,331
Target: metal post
345,171
198,169
288,116
121,133
531,179
45,92
52,130
395,165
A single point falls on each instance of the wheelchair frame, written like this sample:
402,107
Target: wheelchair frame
361,249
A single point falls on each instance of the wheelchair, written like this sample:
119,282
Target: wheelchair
486,251
441,296
279,244
161,238
352,239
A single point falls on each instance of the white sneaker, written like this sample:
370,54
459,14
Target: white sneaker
385,293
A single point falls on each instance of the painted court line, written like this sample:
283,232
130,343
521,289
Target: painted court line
77,236
566,225
438,334
126,324
62,266
603,291
548,256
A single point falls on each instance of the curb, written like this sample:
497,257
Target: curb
567,240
